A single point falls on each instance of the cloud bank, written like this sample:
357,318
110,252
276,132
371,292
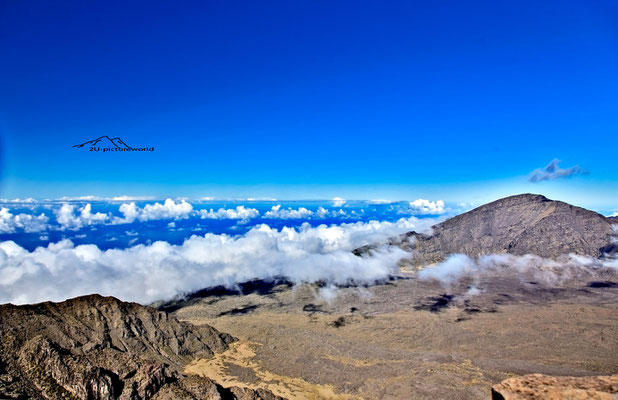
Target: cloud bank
69,218
240,212
10,223
146,273
338,202
170,209
553,171
276,212
422,206
547,271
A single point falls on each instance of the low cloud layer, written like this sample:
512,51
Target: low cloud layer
69,218
552,171
547,271
10,223
169,209
338,202
240,212
422,206
276,212
146,273
72,214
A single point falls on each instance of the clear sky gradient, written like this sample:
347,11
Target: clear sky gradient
453,100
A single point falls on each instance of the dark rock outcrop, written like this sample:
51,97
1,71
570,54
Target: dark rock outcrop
197,387
522,224
537,386
96,347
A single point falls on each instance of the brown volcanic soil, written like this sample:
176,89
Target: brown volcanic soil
411,339
537,386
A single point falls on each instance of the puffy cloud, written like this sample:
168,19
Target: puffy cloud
324,213
545,270
276,212
240,212
338,202
168,210
130,198
422,206
553,171
130,212
450,270
70,218
10,223
160,270
29,200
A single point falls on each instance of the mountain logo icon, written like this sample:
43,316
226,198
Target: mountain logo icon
103,141
106,144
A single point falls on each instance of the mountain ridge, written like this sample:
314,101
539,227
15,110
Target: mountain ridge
520,224
96,347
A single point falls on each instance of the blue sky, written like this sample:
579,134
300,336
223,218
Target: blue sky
459,101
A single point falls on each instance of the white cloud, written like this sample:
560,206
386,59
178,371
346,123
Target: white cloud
324,213
131,198
545,270
240,212
29,200
338,202
276,212
130,211
422,206
68,218
168,210
81,198
147,273
10,223
260,199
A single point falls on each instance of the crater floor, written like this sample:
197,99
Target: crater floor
409,338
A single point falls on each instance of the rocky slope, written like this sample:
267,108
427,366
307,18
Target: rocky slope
537,386
96,347
521,224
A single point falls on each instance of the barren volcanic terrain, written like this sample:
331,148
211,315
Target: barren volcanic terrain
409,338
452,330
523,285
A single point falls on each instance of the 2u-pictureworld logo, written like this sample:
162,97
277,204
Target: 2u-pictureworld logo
106,144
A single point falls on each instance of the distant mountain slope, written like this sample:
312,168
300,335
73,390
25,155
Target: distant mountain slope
96,347
521,224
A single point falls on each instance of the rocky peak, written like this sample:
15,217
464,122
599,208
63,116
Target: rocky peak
96,347
521,224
